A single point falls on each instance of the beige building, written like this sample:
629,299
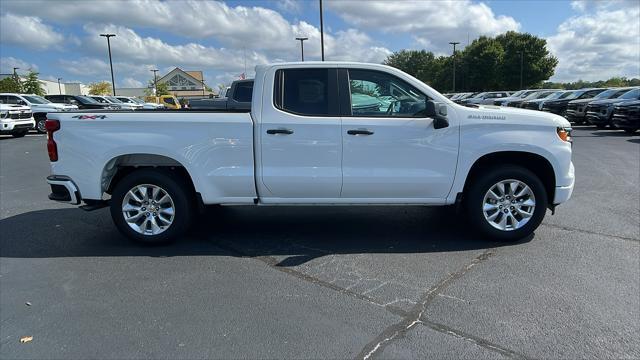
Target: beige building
180,83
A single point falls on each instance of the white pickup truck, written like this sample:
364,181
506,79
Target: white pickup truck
318,133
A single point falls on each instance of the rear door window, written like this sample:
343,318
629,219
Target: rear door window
310,92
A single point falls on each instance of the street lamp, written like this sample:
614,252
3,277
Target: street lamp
113,83
202,87
155,81
521,66
59,87
302,39
454,43
321,33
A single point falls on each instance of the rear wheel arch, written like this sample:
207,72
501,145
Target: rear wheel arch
120,166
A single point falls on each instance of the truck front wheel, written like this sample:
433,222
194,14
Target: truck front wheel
151,206
506,203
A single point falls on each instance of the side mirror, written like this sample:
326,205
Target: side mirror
438,112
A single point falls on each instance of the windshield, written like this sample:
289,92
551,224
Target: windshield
557,95
35,99
136,100
609,93
633,94
113,99
565,95
86,99
517,93
575,94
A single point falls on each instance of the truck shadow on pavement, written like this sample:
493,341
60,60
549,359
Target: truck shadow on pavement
292,235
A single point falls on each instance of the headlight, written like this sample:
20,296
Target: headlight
540,106
4,114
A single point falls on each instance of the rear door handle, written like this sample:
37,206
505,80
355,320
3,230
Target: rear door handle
360,132
280,131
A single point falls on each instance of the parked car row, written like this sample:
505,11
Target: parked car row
602,107
37,108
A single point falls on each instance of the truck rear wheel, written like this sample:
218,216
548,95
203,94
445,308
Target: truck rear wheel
506,203
151,206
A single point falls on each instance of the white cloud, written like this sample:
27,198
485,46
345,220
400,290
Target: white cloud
8,63
129,82
28,31
598,44
431,23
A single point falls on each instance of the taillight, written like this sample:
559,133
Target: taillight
52,126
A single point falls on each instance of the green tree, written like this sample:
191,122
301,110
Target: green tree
537,62
100,88
10,84
486,64
31,85
163,89
484,57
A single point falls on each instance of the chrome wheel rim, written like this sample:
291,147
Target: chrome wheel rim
148,209
509,205
41,126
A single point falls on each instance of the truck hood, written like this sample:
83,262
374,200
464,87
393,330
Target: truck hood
581,101
610,101
53,106
516,116
5,107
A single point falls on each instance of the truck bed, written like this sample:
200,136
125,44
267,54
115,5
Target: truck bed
216,148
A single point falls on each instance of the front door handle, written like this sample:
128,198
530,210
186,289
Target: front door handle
280,131
360,132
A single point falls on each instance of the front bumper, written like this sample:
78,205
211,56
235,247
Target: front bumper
625,122
10,125
597,118
63,189
575,116
563,193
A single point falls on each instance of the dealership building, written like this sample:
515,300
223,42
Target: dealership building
181,83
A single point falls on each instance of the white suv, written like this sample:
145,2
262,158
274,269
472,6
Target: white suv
15,120
39,106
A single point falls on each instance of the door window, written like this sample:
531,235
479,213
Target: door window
378,94
306,92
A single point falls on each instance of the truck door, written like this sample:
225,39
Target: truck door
391,150
300,141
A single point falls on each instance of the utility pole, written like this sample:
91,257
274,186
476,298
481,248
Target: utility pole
302,39
113,83
454,43
59,87
203,87
155,81
321,33
521,67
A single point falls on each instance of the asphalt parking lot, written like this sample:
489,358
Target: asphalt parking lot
345,282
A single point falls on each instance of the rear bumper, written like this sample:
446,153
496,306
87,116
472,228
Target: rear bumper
63,189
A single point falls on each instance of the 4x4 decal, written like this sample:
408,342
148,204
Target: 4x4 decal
92,117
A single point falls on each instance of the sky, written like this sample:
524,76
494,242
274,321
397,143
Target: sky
592,40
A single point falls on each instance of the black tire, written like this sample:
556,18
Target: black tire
19,134
601,126
175,187
630,131
474,201
40,121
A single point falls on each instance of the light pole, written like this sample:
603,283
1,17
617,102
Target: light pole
202,87
302,39
321,33
155,81
521,66
454,43
59,87
113,83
